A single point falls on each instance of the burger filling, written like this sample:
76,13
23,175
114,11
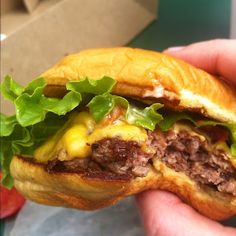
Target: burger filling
118,150
89,130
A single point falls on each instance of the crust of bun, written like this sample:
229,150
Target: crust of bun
149,75
73,190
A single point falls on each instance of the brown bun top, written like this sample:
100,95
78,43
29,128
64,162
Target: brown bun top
150,76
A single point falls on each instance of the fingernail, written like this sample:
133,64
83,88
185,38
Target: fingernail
175,49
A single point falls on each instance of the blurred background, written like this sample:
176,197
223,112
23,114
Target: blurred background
182,22
35,34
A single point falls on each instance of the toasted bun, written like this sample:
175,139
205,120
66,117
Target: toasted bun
152,76
147,76
73,190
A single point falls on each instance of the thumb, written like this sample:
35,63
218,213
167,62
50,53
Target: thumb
215,56
163,214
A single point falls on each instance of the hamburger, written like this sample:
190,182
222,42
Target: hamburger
104,124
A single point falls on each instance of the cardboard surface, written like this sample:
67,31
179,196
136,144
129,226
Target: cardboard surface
9,5
59,27
31,4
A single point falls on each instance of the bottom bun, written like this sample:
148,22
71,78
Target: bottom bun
89,193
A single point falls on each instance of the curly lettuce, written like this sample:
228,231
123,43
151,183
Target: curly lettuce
38,117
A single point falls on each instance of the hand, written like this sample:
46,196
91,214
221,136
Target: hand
217,57
162,212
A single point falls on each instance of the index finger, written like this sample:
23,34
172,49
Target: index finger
217,57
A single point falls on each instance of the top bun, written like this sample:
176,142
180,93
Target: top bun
150,76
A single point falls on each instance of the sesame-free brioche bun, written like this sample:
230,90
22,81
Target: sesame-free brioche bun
150,75
147,76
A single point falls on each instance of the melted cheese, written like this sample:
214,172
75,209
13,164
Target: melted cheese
81,132
85,119
121,130
44,152
74,140
179,126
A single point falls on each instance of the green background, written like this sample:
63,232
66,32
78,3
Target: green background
181,22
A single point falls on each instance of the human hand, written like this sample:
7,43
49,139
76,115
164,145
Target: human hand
162,212
218,57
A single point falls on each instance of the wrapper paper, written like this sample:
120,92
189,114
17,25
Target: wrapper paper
37,220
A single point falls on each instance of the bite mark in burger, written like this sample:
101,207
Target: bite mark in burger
108,123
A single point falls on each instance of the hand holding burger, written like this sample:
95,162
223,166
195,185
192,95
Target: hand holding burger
159,209
108,123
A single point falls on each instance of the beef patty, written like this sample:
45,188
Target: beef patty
182,151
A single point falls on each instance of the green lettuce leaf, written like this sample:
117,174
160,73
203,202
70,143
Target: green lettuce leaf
171,118
101,86
233,149
32,106
11,145
147,118
10,89
33,85
29,110
6,155
7,124
102,105
61,106
24,140
38,117
46,128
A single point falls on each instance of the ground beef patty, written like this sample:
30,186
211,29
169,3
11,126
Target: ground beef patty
121,156
180,151
189,154
108,155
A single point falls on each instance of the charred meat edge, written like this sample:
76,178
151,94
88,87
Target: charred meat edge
180,151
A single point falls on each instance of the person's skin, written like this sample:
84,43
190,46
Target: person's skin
163,213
